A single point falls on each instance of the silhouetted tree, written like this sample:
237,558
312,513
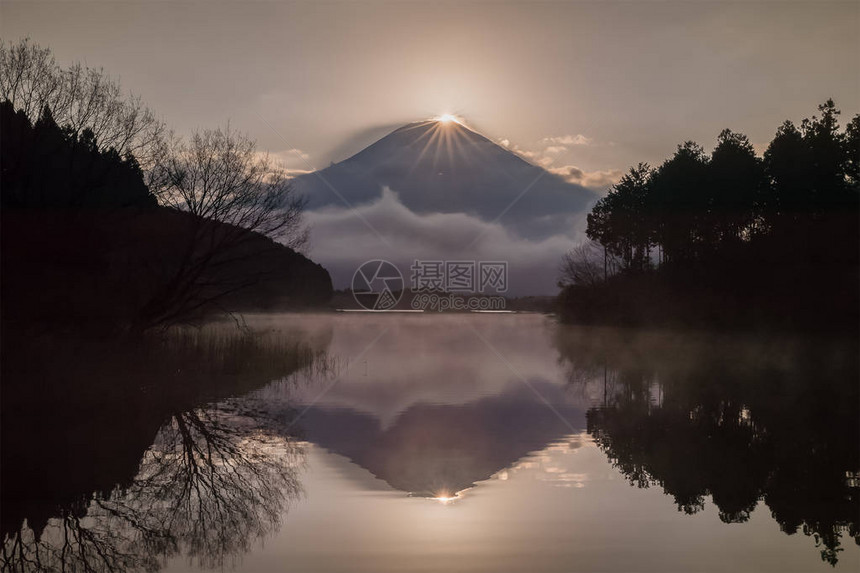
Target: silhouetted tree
231,194
49,167
786,164
619,221
772,239
587,264
828,158
80,98
220,176
852,145
677,204
735,180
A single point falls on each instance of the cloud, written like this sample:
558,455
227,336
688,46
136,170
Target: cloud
343,238
292,160
535,157
299,152
291,173
577,139
531,155
555,148
591,179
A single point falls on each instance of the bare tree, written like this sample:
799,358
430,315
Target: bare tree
29,77
80,98
228,192
231,194
219,175
587,264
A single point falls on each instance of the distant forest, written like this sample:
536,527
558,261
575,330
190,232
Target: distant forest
729,239
111,222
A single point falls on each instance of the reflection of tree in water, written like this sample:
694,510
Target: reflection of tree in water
154,458
740,421
215,480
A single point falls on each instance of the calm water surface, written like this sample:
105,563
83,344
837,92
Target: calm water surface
395,442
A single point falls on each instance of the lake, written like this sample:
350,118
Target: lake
431,442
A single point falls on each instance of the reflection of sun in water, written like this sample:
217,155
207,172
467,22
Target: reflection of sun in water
447,118
446,498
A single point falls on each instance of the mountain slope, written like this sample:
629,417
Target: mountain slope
445,167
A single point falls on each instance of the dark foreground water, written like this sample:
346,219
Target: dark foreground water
396,442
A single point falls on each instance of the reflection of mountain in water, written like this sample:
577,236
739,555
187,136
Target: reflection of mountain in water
435,449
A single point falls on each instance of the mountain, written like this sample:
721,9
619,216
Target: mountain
445,167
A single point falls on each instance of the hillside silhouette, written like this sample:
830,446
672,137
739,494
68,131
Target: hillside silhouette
86,244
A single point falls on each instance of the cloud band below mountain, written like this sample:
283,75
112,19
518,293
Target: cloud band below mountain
343,238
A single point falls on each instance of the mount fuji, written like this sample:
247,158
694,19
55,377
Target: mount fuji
445,167
438,189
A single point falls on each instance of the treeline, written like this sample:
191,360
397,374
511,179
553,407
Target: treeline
110,221
46,166
730,238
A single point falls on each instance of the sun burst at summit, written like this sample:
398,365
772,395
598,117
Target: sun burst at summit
448,118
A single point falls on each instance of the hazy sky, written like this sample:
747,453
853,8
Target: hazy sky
631,79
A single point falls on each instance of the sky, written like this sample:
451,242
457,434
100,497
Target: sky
628,80
586,89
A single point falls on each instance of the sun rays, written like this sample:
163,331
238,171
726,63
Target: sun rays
444,138
447,118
